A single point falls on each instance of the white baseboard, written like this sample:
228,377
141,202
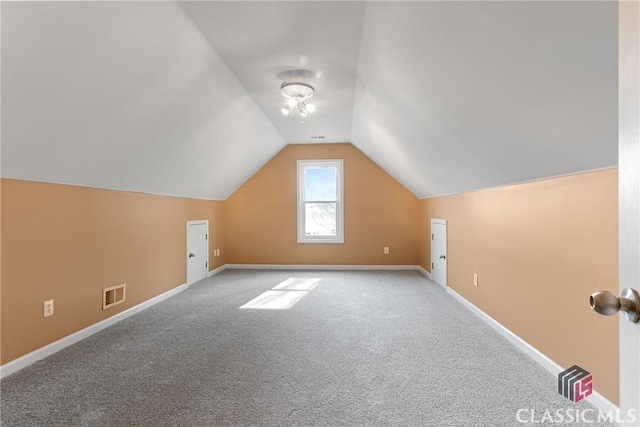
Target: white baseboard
216,271
39,354
424,271
320,267
596,399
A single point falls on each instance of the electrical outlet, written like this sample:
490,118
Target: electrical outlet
386,250
475,280
47,308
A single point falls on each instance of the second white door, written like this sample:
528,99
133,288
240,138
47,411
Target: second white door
197,250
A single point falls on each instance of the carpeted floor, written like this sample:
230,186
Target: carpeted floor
362,348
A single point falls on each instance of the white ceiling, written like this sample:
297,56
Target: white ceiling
261,40
467,95
124,95
184,98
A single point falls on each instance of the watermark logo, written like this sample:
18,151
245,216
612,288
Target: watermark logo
576,415
575,383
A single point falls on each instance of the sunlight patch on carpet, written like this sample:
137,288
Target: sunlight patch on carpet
284,295
298,284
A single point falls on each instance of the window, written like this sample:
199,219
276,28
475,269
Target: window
320,203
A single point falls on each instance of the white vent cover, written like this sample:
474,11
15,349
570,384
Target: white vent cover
113,295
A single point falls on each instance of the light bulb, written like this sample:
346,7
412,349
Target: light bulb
292,102
285,110
310,108
302,111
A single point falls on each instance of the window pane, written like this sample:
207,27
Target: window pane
320,184
320,201
320,219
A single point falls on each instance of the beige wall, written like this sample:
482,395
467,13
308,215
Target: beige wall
261,215
68,243
539,250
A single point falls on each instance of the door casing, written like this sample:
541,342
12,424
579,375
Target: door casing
629,199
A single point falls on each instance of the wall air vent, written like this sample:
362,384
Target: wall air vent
113,295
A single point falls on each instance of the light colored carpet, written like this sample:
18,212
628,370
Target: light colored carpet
361,348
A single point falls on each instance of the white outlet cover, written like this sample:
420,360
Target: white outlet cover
47,308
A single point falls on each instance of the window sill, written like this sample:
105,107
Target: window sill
321,240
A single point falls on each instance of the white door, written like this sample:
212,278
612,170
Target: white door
197,250
629,199
439,251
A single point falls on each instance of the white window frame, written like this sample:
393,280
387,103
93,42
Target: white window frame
309,164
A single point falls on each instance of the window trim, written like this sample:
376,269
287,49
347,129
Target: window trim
307,164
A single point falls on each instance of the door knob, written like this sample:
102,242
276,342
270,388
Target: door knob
191,255
607,303
443,257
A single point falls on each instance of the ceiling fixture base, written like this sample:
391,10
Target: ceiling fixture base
296,90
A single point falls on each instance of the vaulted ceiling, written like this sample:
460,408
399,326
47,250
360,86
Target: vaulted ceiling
183,98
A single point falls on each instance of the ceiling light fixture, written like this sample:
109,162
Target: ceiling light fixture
297,95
